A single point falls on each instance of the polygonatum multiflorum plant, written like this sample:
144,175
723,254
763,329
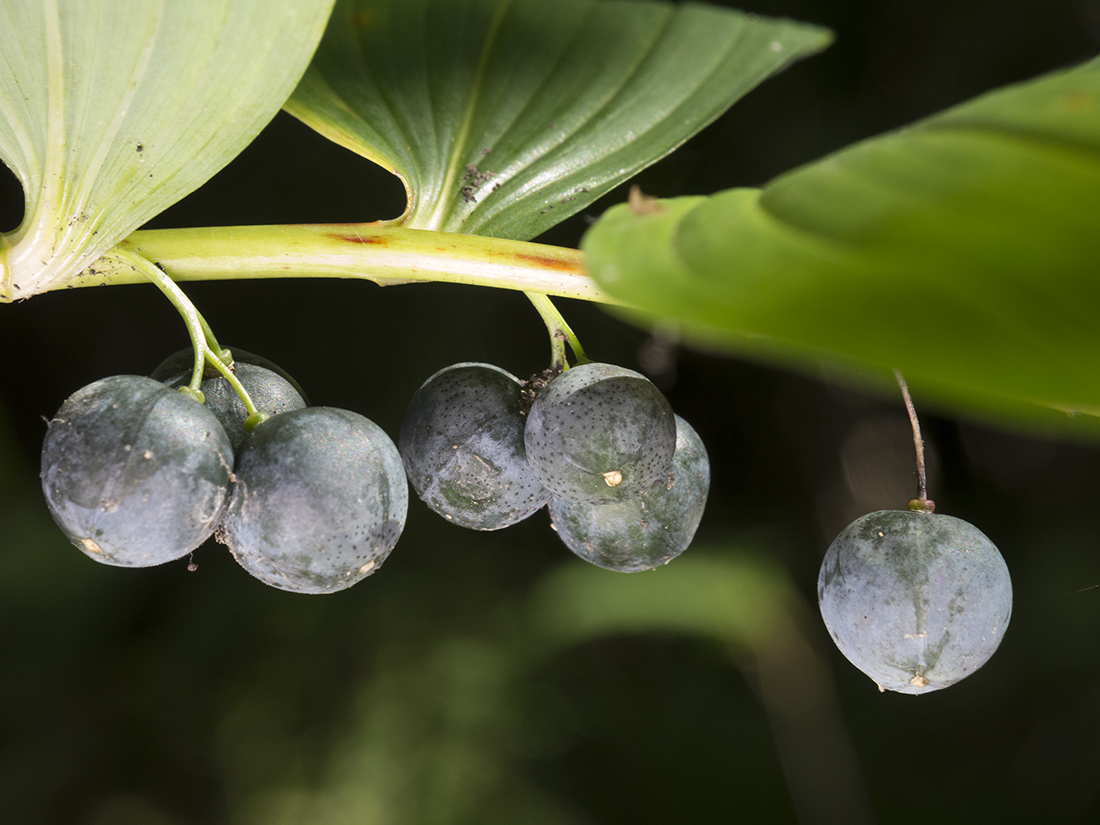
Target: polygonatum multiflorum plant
502,118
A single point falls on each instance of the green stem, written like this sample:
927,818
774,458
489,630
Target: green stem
560,333
205,345
384,254
197,327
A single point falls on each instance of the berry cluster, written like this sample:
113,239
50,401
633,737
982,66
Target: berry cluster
626,479
313,499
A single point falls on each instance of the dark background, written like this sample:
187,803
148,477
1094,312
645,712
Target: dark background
162,696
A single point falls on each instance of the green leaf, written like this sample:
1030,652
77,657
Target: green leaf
963,251
111,111
504,117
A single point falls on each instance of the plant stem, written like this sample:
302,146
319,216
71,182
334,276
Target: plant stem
205,345
197,328
560,333
384,254
921,503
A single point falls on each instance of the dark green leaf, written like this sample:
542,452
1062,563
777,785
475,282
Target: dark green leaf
504,117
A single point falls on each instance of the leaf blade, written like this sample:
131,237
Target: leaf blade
503,117
113,111
960,250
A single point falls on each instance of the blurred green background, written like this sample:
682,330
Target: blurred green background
494,678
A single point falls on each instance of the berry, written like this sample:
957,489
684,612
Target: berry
600,433
915,600
462,445
272,390
650,529
135,474
319,501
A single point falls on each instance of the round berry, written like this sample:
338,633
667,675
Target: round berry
319,501
650,529
600,433
462,445
135,473
915,600
271,389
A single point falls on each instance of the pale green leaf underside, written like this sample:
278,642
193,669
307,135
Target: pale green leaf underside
503,117
112,110
964,250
